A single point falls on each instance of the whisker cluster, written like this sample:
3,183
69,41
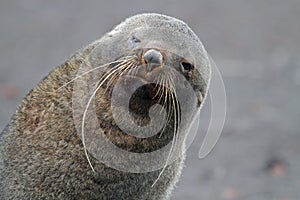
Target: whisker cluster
165,93
124,65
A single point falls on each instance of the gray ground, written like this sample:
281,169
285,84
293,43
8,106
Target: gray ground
255,45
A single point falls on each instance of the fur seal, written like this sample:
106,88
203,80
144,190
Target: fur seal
48,150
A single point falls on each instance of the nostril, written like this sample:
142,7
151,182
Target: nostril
153,56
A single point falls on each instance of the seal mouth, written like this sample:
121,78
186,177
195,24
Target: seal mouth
141,91
141,101
147,91
142,98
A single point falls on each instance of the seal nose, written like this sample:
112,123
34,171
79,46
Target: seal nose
153,59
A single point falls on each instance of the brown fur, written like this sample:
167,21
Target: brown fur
42,157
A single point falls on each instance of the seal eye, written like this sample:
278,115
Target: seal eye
187,66
135,39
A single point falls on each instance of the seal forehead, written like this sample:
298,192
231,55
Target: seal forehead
153,20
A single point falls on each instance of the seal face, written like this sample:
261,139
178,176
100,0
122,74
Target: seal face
112,121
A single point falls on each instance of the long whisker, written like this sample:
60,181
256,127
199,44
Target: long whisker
168,115
159,86
103,76
120,72
164,87
173,141
169,90
120,65
133,70
110,73
161,91
165,94
124,69
96,68
176,125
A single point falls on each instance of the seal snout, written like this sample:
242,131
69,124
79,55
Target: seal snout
153,59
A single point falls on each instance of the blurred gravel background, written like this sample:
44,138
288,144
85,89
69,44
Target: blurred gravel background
256,47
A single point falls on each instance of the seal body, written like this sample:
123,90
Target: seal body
43,156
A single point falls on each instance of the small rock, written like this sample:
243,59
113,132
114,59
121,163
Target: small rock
276,167
231,194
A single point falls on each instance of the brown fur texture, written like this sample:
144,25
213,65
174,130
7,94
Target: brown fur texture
41,154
